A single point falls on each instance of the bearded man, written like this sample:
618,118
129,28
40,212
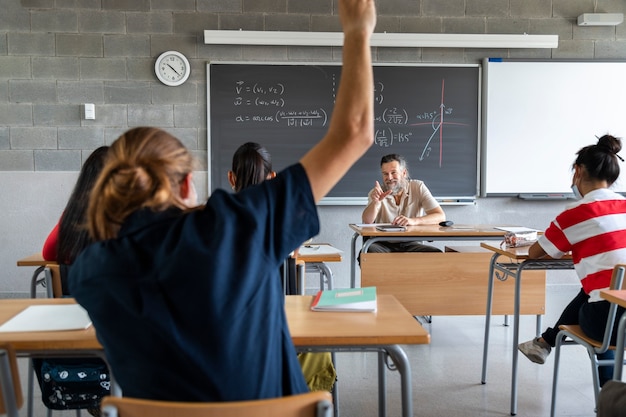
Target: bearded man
401,201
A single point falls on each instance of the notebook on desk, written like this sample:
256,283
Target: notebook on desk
346,299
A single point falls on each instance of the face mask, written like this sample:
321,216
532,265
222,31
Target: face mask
577,194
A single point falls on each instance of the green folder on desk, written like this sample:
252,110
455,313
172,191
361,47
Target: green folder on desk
346,299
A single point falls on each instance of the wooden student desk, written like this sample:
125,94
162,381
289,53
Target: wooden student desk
382,331
510,263
448,283
618,297
315,256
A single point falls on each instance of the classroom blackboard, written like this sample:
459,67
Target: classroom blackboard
429,114
538,114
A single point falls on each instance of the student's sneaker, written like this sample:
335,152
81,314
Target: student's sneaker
536,350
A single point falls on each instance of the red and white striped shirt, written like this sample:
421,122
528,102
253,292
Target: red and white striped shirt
594,230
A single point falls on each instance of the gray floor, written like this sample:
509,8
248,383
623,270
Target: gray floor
446,373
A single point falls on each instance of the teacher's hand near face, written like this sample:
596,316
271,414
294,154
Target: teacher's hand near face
378,194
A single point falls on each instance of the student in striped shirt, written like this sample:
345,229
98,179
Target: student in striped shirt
594,230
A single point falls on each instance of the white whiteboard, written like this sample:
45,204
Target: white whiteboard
537,115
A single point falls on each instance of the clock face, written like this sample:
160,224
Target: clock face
172,68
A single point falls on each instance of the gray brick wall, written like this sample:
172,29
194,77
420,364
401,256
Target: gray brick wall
56,55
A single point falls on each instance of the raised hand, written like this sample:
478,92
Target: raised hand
379,194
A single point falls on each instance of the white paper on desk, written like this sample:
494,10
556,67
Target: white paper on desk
313,249
514,229
46,318
361,225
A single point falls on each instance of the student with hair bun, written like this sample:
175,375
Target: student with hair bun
594,230
188,303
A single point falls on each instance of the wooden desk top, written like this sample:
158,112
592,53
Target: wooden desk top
391,324
520,253
434,230
318,252
615,296
33,260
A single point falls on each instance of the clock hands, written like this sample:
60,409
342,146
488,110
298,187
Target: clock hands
173,69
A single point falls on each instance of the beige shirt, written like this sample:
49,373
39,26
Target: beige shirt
415,200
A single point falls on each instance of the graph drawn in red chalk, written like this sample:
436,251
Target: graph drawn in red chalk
437,123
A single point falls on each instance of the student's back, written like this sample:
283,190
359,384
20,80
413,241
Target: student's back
169,268
188,306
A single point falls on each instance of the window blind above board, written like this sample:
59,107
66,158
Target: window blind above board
429,114
539,114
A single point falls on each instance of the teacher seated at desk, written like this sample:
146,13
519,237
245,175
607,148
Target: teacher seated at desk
401,201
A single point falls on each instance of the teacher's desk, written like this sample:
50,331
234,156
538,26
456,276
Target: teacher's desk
447,283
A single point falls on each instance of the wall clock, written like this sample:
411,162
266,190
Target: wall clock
172,68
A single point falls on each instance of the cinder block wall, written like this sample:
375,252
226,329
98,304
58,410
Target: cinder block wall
58,54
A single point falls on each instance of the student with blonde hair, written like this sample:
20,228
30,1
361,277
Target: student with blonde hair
188,304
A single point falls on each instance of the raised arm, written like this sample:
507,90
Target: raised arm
351,130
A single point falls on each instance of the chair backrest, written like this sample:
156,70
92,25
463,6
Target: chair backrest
53,280
617,282
312,404
11,399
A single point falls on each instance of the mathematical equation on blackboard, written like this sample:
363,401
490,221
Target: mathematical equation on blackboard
393,125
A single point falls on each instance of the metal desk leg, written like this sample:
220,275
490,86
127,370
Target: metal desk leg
325,270
619,349
516,311
382,385
483,377
353,260
34,281
404,367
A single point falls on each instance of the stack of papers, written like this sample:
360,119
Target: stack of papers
346,299
45,318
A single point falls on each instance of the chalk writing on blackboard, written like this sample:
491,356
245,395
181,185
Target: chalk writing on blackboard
288,109
259,95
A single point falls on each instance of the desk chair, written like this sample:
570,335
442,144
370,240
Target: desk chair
575,336
312,404
11,399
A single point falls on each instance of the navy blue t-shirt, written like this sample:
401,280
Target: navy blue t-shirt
189,307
